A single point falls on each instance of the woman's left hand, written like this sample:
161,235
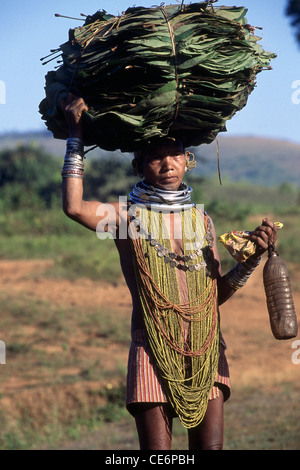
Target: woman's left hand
263,236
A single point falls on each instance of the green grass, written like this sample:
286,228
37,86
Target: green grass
74,256
78,252
260,419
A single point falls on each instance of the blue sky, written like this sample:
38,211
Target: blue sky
29,30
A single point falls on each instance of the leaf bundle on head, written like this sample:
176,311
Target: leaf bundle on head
176,70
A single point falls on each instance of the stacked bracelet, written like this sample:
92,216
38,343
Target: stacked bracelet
238,276
73,163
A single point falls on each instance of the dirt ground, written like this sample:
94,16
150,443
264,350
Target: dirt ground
255,357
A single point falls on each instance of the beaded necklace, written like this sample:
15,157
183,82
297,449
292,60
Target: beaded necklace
184,337
174,258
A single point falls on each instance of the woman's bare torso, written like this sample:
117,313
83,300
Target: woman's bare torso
127,266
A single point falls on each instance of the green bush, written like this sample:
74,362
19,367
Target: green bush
28,178
220,209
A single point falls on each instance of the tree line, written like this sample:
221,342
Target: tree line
30,178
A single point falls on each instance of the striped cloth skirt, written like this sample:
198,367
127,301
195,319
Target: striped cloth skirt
144,384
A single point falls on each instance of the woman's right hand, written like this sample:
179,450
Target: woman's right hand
73,107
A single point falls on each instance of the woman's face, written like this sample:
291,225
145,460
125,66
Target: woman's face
164,166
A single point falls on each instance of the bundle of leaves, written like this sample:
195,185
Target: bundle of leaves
177,70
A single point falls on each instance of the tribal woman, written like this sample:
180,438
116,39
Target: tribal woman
177,364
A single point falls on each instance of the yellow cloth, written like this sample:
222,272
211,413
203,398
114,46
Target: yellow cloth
239,245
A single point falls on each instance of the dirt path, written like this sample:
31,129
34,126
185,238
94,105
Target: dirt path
26,276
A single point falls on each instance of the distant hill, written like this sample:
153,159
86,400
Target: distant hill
262,161
258,160
43,139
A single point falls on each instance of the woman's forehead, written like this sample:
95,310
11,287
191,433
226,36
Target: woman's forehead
164,148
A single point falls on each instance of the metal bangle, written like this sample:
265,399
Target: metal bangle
73,166
74,145
238,276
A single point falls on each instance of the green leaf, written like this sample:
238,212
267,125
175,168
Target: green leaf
156,71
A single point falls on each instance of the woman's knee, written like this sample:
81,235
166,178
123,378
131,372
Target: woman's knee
213,445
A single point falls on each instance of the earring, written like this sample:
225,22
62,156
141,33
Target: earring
190,163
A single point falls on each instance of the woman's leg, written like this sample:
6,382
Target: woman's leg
208,435
154,426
